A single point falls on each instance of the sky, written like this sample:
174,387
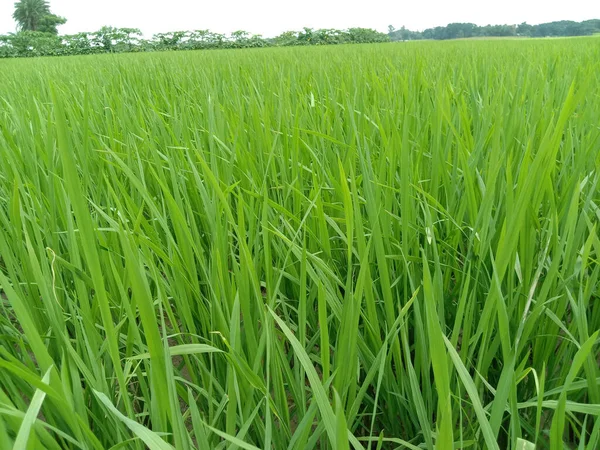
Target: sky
271,17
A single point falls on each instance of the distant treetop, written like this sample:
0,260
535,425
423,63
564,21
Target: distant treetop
35,15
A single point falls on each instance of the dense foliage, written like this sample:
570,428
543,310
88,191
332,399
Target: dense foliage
119,40
377,246
470,30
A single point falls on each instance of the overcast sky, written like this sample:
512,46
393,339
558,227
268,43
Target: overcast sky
270,17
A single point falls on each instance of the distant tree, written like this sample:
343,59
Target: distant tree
593,25
35,15
115,40
404,34
169,41
589,27
29,13
239,39
287,38
78,44
306,37
524,29
366,35
204,39
499,30
50,23
461,30
327,36
35,43
435,33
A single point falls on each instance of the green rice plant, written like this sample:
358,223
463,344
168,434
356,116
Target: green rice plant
368,247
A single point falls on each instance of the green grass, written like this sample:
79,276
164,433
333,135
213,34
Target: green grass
387,246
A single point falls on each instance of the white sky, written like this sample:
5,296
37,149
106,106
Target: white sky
270,17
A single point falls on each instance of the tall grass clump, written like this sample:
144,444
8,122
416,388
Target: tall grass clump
372,247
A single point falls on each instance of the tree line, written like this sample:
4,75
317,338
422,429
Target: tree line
37,35
120,40
561,28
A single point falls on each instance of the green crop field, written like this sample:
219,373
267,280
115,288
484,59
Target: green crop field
370,247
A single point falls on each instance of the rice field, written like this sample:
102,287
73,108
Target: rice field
388,246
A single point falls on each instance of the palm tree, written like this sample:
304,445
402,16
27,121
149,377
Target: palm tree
35,15
29,14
